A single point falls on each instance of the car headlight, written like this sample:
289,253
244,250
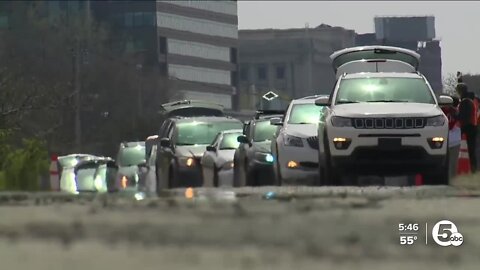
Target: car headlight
436,121
227,166
264,157
338,121
186,161
289,140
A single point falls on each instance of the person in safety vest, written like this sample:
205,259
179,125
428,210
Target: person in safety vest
467,117
454,135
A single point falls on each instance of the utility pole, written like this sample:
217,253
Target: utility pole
77,89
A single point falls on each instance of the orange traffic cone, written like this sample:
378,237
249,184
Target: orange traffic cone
463,157
54,175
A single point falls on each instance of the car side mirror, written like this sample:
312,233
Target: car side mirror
242,139
165,142
322,101
445,100
211,148
276,122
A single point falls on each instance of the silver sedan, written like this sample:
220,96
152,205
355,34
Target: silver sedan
217,161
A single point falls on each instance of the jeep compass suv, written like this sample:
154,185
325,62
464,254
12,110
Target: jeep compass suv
382,118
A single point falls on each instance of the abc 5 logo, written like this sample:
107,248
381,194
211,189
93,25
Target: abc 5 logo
445,233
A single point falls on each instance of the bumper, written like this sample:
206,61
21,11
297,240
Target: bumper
374,160
225,178
263,172
307,160
189,177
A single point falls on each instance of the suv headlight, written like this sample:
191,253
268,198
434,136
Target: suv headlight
338,121
264,157
289,140
436,121
227,165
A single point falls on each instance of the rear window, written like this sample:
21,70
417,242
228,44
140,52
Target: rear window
385,89
263,131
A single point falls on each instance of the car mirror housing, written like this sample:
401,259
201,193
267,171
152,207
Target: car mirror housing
165,142
242,139
445,100
211,148
322,101
276,122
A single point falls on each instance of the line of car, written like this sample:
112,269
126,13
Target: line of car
381,118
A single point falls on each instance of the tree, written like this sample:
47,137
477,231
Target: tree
449,84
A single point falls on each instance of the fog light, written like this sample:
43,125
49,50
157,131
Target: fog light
269,158
124,182
341,143
436,142
292,164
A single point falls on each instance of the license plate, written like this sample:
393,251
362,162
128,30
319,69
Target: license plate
389,143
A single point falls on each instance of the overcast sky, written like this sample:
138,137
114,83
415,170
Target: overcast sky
457,23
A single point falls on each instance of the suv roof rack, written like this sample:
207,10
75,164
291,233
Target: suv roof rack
268,112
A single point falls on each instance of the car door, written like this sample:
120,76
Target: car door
208,161
167,154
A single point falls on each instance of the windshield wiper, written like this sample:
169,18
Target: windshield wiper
387,100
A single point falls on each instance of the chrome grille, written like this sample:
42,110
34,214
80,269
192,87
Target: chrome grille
388,123
313,142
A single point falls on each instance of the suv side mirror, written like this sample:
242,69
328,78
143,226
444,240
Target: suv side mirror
211,149
242,139
445,100
276,122
165,142
322,101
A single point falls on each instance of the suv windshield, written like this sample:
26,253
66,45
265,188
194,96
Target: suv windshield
131,156
263,131
191,133
229,141
305,114
384,90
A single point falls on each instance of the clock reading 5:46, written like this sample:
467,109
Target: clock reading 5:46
408,227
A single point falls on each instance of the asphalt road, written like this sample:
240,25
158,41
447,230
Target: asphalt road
247,228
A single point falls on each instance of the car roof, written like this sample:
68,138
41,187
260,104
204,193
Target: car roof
382,75
205,119
307,100
133,144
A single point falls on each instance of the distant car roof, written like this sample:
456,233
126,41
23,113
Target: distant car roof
133,144
267,117
191,108
307,100
206,119
383,75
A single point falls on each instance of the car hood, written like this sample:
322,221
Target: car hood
303,131
386,110
128,170
262,146
189,150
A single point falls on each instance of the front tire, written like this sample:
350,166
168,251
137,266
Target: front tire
331,175
440,176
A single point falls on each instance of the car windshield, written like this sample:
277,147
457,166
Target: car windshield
385,89
131,156
229,141
263,131
192,133
305,114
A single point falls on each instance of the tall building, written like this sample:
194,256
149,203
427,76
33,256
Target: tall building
193,42
290,62
414,33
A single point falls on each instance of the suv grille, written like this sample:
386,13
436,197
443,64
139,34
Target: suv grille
313,142
388,123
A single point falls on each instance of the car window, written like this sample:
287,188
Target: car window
305,114
229,141
384,89
85,179
263,131
131,156
191,133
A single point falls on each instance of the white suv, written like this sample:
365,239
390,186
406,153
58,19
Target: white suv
295,148
382,118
